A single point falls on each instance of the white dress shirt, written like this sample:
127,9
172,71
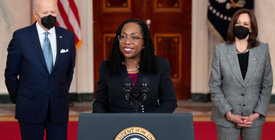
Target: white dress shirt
51,36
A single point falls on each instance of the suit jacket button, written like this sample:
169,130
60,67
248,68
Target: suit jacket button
243,105
242,94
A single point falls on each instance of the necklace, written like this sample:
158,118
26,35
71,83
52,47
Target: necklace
134,69
245,51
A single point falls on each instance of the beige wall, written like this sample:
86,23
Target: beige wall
15,14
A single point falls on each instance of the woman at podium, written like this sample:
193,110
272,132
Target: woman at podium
133,79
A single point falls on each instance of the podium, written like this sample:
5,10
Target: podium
135,126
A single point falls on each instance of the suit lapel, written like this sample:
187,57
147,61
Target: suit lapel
252,64
233,61
37,45
59,38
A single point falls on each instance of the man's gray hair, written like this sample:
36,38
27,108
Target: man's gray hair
34,3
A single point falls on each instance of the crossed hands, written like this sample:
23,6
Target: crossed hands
242,121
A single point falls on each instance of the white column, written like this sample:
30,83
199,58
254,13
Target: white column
84,73
266,21
199,53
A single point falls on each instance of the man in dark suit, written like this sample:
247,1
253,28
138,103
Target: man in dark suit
38,74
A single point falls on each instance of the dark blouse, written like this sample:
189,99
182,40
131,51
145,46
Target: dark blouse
243,61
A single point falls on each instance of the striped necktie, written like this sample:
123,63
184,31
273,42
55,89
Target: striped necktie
47,51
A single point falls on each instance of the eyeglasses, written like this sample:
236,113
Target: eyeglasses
132,39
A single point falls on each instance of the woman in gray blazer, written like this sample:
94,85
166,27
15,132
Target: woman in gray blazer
241,81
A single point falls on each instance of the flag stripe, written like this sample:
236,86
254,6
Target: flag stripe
71,17
64,16
75,11
68,18
60,21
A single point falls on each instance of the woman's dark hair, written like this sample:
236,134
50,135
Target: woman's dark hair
147,62
252,40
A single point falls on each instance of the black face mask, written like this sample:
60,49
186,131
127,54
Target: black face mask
240,32
48,21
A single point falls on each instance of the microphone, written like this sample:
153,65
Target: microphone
127,89
144,90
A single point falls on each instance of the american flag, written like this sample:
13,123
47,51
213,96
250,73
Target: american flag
68,18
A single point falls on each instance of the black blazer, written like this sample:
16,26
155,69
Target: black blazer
30,86
110,98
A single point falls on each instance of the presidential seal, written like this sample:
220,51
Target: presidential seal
135,133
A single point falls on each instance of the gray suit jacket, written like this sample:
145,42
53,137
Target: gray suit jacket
230,92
